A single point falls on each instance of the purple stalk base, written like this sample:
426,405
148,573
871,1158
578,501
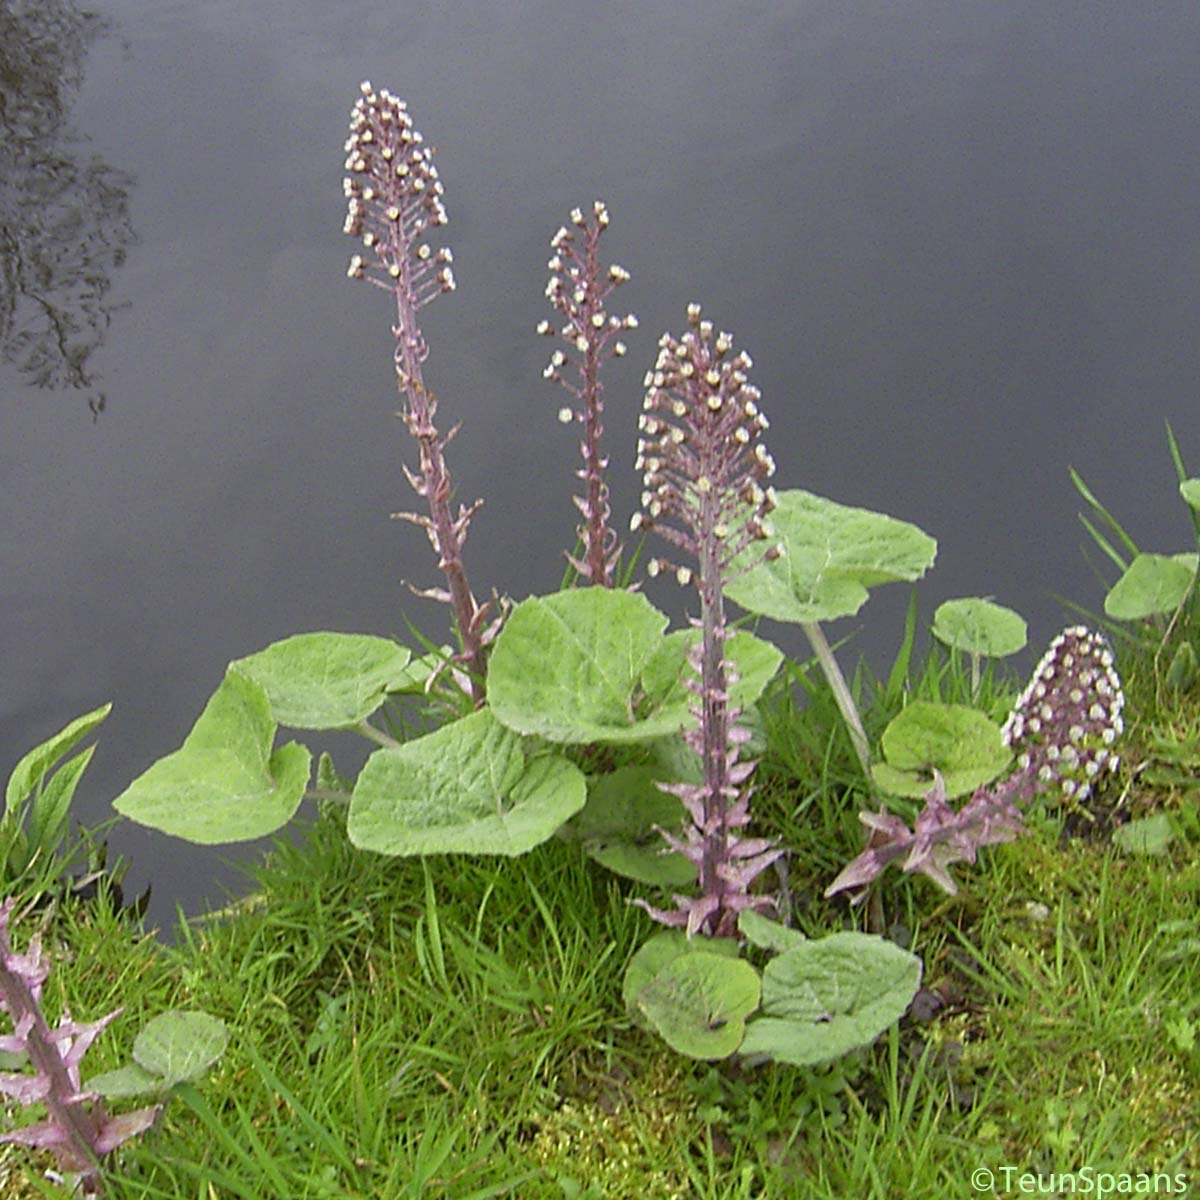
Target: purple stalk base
394,196
578,291
77,1127
1062,728
704,466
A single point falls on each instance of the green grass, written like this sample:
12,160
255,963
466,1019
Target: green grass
453,1027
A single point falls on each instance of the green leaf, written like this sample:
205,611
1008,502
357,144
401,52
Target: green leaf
33,767
832,555
662,949
126,1081
1152,584
754,659
830,996
699,1003
225,784
565,667
179,1045
1189,489
766,934
327,680
978,626
617,827
464,789
960,742
592,665
1149,835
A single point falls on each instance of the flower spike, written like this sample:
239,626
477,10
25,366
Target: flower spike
1062,728
394,202
578,290
704,469
77,1127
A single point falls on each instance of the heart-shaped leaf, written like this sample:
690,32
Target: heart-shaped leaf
327,680
1147,835
180,1045
566,667
831,995
126,1081
766,934
978,626
699,1003
832,555
464,789
661,950
224,784
1152,584
753,659
924,737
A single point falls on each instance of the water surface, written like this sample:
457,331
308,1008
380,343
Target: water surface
960,241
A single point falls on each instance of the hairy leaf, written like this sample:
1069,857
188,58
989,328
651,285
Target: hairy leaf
1152,584
833,555
225,784
566,667
327,680
924,737
979,626
467,788
617,827
699,1001
831,995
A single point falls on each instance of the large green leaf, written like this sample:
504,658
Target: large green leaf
28,774
924,737
1152,584
832,555
617,827
566,667
754,660
829,996
978,626
593,665
659,952
467,788
224,784
327,680
699,1001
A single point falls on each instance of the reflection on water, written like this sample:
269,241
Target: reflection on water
64,213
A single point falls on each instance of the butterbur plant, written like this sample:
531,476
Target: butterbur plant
586,667
704,469
1062,729
77,1128
394,199
578,289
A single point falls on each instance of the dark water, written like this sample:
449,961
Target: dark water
961,241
